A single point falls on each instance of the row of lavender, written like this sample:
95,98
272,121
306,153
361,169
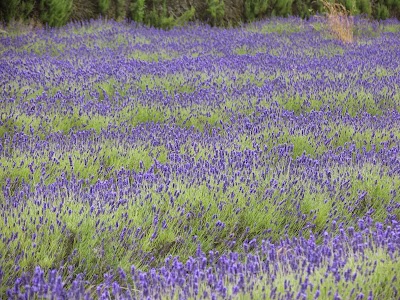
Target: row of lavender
272,148
339,268
202,70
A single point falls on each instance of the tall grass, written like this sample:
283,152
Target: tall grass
340,21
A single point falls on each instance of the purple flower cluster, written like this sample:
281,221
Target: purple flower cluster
306,269
255,162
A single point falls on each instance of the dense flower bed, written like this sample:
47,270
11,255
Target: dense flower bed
256,162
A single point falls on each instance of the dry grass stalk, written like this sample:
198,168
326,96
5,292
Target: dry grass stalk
340,22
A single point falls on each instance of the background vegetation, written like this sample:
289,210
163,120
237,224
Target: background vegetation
169,13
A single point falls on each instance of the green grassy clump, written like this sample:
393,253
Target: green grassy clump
330,137
92,163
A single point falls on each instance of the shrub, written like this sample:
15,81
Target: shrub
382,12
216,9
350,6
104,5
120,9
16,9
55,13
254,9
84,10
306,8
364,7
282,8
185,17
158,16
9,11
137,10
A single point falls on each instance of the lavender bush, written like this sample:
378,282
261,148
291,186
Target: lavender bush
200,163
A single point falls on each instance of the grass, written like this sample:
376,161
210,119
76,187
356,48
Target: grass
277,27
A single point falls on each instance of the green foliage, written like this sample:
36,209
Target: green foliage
364,7
84,10
55,13
382,12
306,8
166,22
254,9
356,7
120,12
137,10
16,9
26,8
185,17
159,17
350,6
216,9
104,5
282,8
9,10
158,13
385,9
301,9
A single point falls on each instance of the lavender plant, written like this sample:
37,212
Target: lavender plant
256,162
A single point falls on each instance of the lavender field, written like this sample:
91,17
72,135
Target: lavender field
260,162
